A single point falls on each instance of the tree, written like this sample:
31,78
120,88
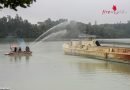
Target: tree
13,4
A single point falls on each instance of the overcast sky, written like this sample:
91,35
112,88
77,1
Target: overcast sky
78,10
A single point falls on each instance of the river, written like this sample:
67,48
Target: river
49,69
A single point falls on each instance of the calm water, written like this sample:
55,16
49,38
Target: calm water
49,69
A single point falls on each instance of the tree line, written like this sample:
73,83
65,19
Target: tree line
18,27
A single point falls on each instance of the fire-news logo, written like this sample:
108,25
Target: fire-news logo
114,10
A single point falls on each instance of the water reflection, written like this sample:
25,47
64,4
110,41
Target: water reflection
110,67
19,58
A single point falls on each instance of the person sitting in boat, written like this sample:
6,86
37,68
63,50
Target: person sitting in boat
15,49
97,43
19,50
27,49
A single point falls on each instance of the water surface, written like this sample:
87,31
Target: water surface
49,69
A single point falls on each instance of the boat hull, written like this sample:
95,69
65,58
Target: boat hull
104,53
18,53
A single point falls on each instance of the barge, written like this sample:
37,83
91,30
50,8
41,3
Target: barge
92,48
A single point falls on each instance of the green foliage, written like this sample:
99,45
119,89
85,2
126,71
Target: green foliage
17,26
119,30
13,4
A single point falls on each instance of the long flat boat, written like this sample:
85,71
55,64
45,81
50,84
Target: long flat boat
93,49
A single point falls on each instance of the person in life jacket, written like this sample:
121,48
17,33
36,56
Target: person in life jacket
19,50
27,49
15,49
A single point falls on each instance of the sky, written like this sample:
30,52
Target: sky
79,10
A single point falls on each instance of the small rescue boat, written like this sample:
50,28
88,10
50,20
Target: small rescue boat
18,51
16,48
